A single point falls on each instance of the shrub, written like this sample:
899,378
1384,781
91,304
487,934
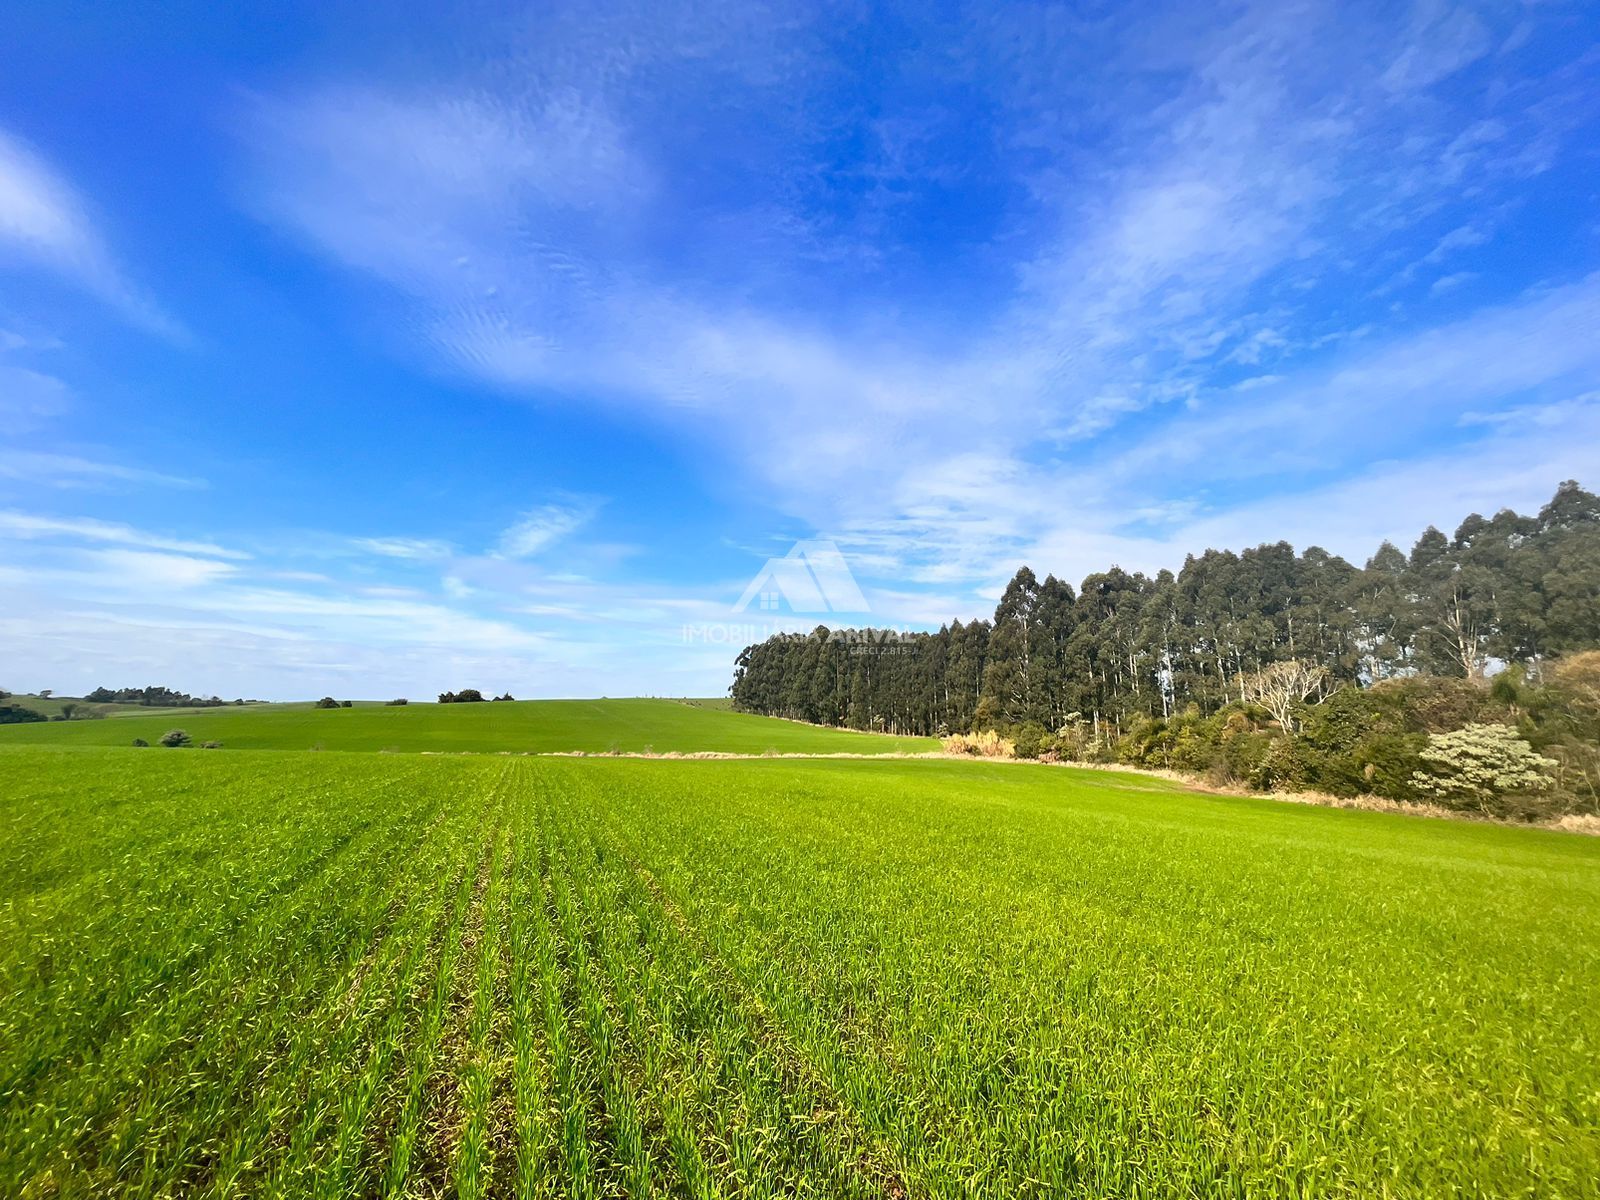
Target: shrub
987,744
1390,762
1283,767
140,742
1147,743
175,737
347,704
211,745
1243,757
327,702
395,703
1433,704
1031,740
1485,767
1072,739
1576,681
1196,747
1341,737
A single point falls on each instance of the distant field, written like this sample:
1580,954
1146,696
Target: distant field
538,725
52,705
298,974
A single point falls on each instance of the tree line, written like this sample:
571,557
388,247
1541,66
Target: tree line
155,697
1507,589
1127,652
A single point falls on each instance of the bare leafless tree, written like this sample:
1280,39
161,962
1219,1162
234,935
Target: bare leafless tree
1283,685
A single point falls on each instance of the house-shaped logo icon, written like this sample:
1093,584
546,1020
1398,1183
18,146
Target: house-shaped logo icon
812,578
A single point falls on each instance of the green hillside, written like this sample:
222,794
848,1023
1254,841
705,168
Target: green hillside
533,725
82,710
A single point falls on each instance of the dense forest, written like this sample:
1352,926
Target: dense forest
1127,659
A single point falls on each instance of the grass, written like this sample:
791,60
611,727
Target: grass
594,726
51,706
327,975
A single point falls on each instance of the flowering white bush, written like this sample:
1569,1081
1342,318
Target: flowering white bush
1475,766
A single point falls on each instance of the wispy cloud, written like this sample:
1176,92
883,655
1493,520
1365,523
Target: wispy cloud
75,471
1449,283
541,528
28,398
31,525
46,222
153,569
419,549
529,229
86,599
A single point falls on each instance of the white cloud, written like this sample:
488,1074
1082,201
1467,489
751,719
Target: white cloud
75,615
148,569
1449,283
1385,401
29,398
44,221
973,519
524,226
73,471
32,526
422,549
541,528
1460,238
1442,40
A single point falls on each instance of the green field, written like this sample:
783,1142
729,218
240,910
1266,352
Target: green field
256,974
594,726
50,706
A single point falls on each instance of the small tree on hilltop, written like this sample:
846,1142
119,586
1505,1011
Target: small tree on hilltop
1283,687
175,737
327,702
1476,766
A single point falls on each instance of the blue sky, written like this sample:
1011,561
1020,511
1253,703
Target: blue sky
382,350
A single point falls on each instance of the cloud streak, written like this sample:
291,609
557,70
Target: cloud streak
45,222
34,526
